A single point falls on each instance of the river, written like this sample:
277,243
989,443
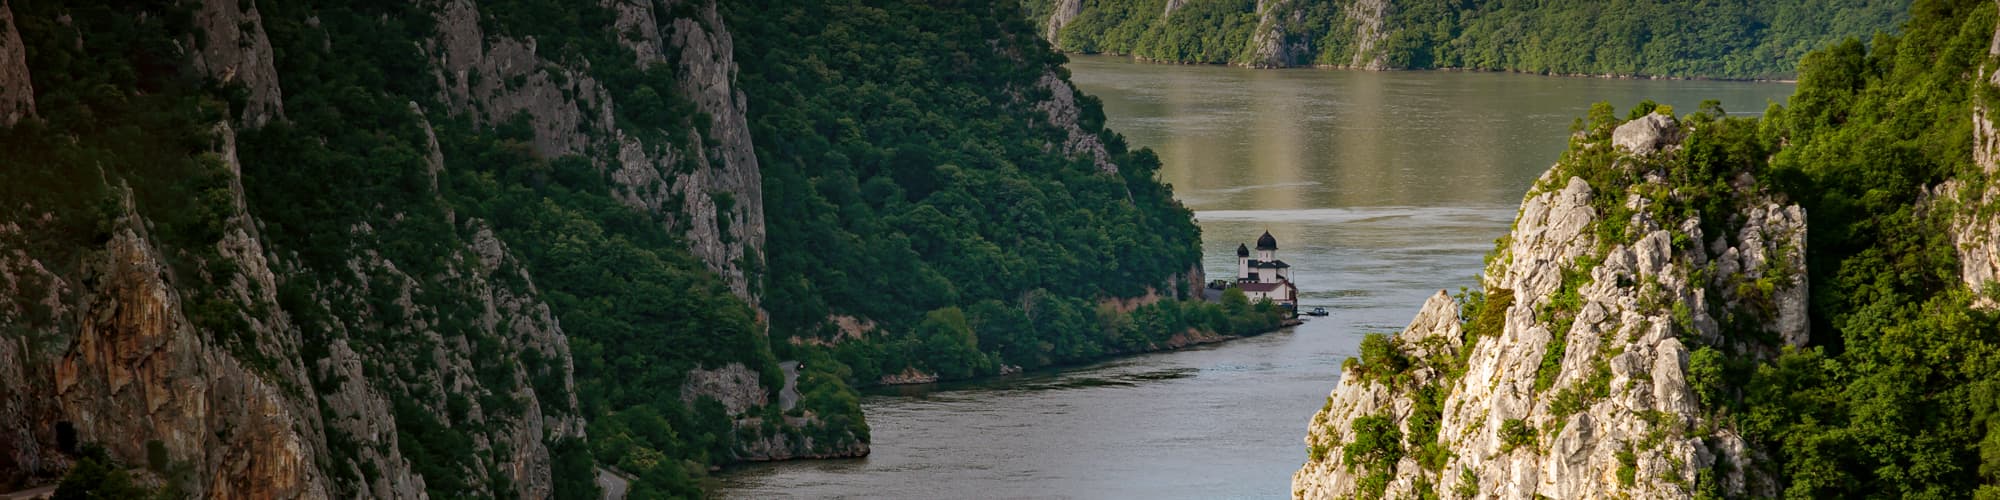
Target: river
1381,188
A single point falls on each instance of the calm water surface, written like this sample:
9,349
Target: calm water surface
1382,188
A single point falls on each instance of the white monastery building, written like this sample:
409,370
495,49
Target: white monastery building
1266,277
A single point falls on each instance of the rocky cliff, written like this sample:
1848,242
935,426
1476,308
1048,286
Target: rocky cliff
1287,37
1578,370
1970,199
153,309
17,90
705,185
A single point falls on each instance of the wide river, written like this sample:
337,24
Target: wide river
1381,188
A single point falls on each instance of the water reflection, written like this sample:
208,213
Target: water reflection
1354,138
1382,188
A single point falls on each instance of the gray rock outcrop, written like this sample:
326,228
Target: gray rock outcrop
1646,135
236,52
1973,224
1063,113
1272,45
1064,12
708,187
17,90
1577,384
1283,37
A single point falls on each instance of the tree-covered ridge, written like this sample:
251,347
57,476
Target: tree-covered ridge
916,182
389,223
1732,39
1899,394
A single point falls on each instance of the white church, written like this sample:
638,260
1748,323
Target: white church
1266,277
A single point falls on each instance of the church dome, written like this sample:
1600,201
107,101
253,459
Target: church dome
1242,251
1266,242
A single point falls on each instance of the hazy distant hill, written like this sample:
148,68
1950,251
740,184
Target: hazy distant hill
1734,39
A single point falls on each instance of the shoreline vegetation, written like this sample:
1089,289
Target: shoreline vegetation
1341,67
1183,340
986,341
1724,39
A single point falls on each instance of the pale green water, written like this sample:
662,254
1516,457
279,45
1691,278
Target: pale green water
1382,188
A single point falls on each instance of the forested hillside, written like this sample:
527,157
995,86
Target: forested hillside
1863,361
916,230
466,249
1733,39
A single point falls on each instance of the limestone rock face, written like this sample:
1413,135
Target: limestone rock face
1283,39
1066,11
1576,383
113,359
1271,47
706,186
709,189
1369,32
1646,135
235,51
1973,227
1062,112
17,91
734,385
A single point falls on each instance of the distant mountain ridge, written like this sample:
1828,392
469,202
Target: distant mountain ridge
1735,39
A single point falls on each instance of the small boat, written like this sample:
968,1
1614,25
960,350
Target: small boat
1317,311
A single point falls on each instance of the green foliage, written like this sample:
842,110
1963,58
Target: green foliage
1485,312
1738,39
1381,360
1424,421
1515,433
1376,448
573,471
1551,364
96,476
1579,396
1705,375
1887,402
1199,31
941,198
1628,466
1468,484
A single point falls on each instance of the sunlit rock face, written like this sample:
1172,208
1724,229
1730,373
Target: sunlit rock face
1572,380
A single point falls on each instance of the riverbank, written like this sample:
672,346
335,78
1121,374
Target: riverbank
1185,339
1345,67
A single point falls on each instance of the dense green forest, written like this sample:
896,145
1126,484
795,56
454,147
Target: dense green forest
910,181
1731,39
896,193
1900,393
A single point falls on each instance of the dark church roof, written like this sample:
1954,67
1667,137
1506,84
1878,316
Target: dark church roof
1268,264
1259,287
1242,251
1266,242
